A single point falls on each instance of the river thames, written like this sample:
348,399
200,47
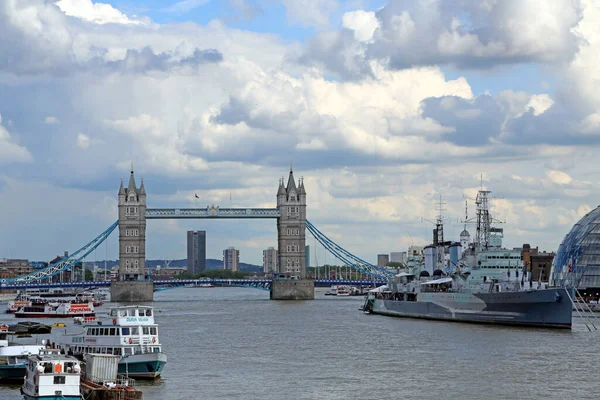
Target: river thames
234,343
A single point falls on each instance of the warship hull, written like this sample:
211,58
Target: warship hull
547,308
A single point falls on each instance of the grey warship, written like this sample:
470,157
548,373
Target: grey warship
479,282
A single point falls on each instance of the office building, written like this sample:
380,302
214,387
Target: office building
196,251
399,256
231,259
382,260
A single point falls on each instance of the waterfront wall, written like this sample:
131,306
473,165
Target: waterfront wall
131,291
293,289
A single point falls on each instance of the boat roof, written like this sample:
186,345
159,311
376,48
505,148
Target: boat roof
129,307
52,357
437,281
379,289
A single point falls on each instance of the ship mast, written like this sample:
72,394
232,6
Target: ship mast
483,219
438,232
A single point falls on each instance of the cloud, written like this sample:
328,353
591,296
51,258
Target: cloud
11,152
98,13
376,148
50,120
144,60
84,141
245,10
312,13
362,23
160,147
467,34
186,6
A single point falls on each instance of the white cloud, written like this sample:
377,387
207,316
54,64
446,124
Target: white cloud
50,120
11,152
363,23
160,147
559,177
310,12
98,13
422,33
83,141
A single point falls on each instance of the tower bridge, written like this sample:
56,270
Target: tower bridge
133,213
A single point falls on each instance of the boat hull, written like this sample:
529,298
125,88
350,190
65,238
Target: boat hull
143,366
52,397
44,315
549,308
12,373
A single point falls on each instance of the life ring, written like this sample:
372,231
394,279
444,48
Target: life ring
153,340
114,321
130,341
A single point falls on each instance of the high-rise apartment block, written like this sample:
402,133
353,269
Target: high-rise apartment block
270,259
231,259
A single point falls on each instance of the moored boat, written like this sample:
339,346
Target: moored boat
478,281
13,358
52,376
131,334
57,310
30,327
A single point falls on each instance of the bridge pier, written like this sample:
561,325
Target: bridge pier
293,289
131,291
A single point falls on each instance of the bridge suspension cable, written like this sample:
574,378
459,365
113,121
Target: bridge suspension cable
346,257
66,262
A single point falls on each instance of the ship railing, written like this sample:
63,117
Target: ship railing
119,381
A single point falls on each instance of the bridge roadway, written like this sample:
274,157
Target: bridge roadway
182,282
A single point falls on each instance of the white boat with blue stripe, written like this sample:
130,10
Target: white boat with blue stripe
130,333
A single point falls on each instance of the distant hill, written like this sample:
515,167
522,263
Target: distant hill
211,263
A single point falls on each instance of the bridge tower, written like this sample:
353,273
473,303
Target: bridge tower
291,230
132,231
132,284
291,227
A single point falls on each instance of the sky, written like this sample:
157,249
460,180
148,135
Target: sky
381,106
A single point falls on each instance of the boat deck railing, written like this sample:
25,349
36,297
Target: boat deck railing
120,380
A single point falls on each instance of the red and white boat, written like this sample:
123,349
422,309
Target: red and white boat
57,310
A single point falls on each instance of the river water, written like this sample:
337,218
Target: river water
234,343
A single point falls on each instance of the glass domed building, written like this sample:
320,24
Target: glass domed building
577,260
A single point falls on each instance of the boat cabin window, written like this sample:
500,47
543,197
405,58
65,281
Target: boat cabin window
146,330
47,368
125,331
112,331
114,313
134,330
59,380
148,313
69,367
131,312
153,330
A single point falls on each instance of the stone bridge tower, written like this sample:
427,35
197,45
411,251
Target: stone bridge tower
132,231
291,227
